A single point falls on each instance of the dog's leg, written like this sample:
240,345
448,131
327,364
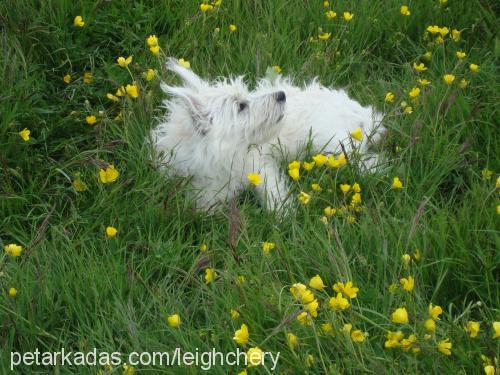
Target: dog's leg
274,191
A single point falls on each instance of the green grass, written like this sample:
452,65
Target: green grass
79,290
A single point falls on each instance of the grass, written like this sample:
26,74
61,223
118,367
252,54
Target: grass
79,290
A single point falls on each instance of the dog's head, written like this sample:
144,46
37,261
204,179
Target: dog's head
225,109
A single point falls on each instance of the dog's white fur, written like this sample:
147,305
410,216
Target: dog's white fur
218,132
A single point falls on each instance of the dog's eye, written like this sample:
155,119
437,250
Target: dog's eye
242,106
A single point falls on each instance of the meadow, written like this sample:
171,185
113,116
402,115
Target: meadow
394,272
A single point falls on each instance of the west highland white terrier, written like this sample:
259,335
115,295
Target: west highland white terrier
219,132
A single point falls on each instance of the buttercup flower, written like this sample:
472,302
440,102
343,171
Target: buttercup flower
78,21
455,35
407,283
304,198
254,179
304,319
347,328
474,68
88,77
427,56
345,188
13,250
210,275
404,10
124,62
67,78
316,283
255,357
184,63
25,134
414,92
356,198
400,316
433,29
203,247
267,247
419,67
430,325
358,335
348,16
348,289
448,79
463,83
326,327
331,14
308,166
461,54
112,97
444,31
339,302
329,211
132,91
108,175
12,292
324,36
241,335
206,7
277,69
78,184
408,109
294,173
396,183
309,360
496,329
406,258
320,159
232,28
150,74
292,340
154,50
407,344
444,346
357,134
393,339
316,187
489,370
174,320
91,120
389,97
435,311
111,232
234,314
152,40
423,82
472,328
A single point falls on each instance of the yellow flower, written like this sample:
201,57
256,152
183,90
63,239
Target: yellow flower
13,250
210,275
124,62
356,188
448,79
339,302
357,134
294,173
241,335
308,166
12,292
240,280
489,370
206,7
316,187
497,184
474,68
430,325
331,14
404,10
152,40
423,82
150,74
393,339
439,40
111,232
292,340
472,328
174,320
128,370
108,175
67,78
326,4
461,54
406,259
336,163
255,357
25,134
244,372
444,31
277,69
400,316
320,159
348,289
91,120
324,36
443,2
316,283
132,91
396,183
419,67
88,77
427,56
358,336
416,255
267,247
463,83
414,92
254,178
327,327
304,198
312,308
309,360
112,97
232,28
455,35
217,3
345,188
78,21
406,344
295,164
487,173
407,283
79,185
444,347
356,198
347,328
435,311
329,211
408,109
348,16
304,319
184,63
297,289
496,329
154,50
389,97
234,314
120,91
433,29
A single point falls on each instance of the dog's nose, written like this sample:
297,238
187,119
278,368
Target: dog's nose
280,96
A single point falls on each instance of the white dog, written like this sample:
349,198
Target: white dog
219,132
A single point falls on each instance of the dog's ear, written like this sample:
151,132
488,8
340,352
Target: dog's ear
189,78
194,105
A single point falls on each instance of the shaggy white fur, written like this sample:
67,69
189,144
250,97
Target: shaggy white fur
218,132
